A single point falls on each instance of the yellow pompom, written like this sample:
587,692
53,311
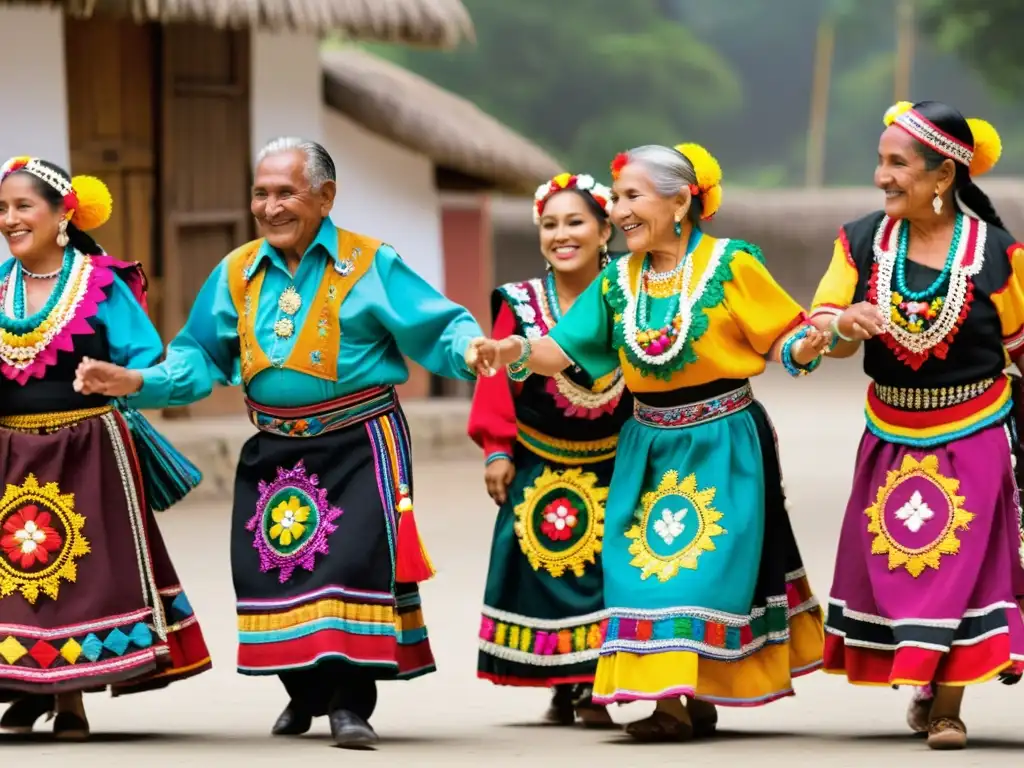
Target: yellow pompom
709,172
895,111
711,201
94,202
562,179
988,147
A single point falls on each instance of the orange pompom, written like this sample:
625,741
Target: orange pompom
897,109
94,202
988,147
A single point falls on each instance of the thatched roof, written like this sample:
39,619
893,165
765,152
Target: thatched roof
411,111
434,23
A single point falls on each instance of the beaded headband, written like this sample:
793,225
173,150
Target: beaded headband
86,199
929,134
563,181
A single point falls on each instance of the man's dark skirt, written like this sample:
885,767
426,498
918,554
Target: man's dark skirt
313,542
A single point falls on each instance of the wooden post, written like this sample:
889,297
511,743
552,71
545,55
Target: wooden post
905,43
821,90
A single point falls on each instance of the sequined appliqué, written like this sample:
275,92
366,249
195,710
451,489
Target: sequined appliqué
40,538
677,524
916,515
292,522
560,521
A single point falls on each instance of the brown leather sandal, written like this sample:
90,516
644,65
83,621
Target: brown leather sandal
660,727
947,733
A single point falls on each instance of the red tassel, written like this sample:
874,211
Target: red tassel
412,563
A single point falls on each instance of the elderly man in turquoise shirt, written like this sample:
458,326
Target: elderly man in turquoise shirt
313,322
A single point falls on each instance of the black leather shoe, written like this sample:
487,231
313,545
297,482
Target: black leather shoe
21,716
291,722
350,731
68,726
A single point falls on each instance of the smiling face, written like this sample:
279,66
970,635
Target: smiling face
570,234
904,177
287,209
27,220
646,218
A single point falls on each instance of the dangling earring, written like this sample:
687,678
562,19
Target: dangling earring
937,203
62,233
547,266
678,228
604,257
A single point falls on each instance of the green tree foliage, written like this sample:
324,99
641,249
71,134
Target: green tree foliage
585,78
986,34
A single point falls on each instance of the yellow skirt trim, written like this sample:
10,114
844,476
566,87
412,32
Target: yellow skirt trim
757,679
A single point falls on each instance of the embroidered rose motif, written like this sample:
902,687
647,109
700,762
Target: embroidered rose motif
560,517
915,513
29,537
533,332
670,526
518,293
288,517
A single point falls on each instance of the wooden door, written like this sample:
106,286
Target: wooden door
110,74
204,167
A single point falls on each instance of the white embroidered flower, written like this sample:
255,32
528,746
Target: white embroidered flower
518,293
533,332
526,313
671,525
584,181
915,513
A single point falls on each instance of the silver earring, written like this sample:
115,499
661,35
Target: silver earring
62,233
604,258
937,204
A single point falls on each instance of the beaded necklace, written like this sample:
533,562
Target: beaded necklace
920,323
552,294
14,320
654,340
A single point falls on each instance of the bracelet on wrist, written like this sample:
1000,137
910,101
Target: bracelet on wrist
786,356
497,456
517,370
836,333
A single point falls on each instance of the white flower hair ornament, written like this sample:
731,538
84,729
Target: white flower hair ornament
583,182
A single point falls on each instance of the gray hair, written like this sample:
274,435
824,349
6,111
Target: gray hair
319,164
669,171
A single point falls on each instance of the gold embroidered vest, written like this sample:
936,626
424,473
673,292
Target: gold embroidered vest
315,352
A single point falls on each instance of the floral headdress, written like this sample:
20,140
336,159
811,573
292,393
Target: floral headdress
563,181
86,199
708,188
979,159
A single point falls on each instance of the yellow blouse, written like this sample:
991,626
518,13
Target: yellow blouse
739,311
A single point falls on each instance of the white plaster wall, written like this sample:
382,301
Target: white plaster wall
387,192
285,88
34,119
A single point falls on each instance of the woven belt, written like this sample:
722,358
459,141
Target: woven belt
53,421
919,399
690,414
321,418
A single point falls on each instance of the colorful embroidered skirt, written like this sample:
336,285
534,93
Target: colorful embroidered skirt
704,585
928,570
313,540
543,620
88,595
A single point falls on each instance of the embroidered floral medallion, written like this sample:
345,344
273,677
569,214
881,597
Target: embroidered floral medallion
677,523
560,521
292,522
40,539
916,516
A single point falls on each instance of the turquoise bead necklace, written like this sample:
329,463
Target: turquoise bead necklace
903,246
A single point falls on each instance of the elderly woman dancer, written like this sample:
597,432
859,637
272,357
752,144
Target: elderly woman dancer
927,570
549,445
706,594
88,595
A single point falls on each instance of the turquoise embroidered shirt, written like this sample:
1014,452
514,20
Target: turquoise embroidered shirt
390,312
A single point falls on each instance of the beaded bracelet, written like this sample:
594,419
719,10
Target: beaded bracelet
496,456
786,356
